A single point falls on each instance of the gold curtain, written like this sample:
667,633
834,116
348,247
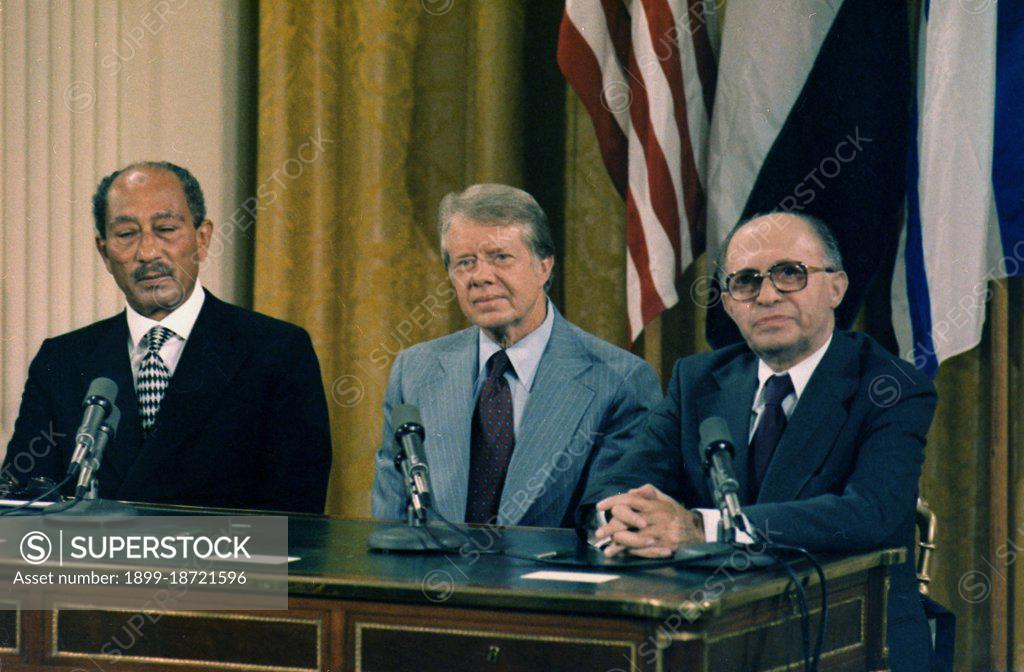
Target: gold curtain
369,112
595,239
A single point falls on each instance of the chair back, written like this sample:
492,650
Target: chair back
927,524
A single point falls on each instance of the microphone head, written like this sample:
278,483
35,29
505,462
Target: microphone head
113,420
406,414
406,421
103,388
714,430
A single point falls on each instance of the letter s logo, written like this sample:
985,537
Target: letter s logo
35,548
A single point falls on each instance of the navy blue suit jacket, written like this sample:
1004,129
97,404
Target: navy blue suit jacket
243,423
843,477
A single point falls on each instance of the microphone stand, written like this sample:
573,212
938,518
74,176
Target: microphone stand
91,504
87,501
726,527
418,534
416,505
725,491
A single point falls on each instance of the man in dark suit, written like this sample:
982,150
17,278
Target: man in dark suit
829,428
220,406
523,406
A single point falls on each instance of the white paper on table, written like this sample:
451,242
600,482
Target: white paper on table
571,577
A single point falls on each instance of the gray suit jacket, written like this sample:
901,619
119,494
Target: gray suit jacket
588,401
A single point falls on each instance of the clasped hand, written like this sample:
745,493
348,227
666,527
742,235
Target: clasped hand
647,523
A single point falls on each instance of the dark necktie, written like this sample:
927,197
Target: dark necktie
493,442
154,377
769,428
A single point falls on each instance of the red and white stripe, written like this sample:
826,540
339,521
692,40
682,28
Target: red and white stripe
645,71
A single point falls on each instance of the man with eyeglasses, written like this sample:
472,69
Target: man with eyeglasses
520,408
828,427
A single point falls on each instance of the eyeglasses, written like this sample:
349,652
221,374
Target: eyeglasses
786,277
464,266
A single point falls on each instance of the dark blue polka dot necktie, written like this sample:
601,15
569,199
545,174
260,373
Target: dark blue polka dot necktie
493,442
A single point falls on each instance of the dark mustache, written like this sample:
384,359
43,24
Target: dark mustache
155,268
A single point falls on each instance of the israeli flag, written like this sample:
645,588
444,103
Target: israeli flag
965,177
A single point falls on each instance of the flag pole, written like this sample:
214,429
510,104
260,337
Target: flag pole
999,467
654,348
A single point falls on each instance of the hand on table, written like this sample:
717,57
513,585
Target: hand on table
647,523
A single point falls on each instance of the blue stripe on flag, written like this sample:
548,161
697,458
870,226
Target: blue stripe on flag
1008,145
917,280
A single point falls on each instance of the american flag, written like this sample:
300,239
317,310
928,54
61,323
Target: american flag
645,71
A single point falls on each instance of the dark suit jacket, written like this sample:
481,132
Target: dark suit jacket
843,477
243,422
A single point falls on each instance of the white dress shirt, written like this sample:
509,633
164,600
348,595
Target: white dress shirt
525,355
799,374
180,321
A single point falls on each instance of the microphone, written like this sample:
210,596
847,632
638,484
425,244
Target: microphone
105,435
409,456
418,534
717,448
98,402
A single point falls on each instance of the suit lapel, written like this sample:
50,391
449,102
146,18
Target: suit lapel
820,413
732,401
207,365
448,439
558,400
110,359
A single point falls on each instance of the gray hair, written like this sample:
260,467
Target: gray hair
829,244
498,205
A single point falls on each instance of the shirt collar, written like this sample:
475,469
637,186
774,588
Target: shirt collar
799,374
180,320
524,354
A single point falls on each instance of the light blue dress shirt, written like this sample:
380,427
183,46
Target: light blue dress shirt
525,356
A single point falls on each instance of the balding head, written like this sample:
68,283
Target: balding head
763,221
784,327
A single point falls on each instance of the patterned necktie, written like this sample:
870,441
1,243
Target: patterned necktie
493,442
153,377
769,428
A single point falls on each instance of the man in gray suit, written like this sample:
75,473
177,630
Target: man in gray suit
522,407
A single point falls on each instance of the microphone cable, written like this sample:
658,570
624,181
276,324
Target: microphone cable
59,507
431,511
811,661
473,542
41,497
470,540
823,622
805,614
430,533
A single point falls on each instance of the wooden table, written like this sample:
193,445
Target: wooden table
352,609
